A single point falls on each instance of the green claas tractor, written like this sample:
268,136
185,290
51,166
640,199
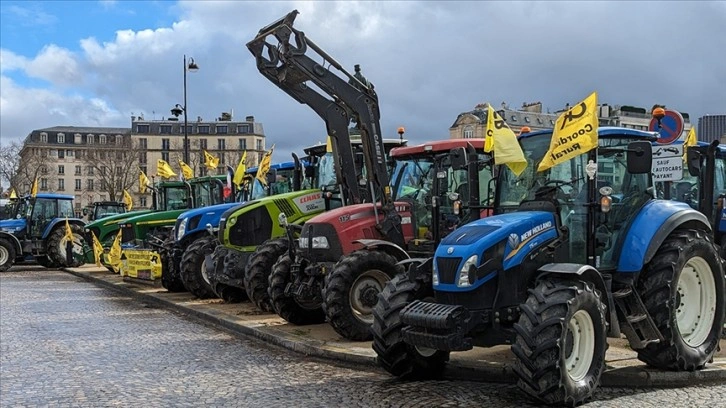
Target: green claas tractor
38,229
143,236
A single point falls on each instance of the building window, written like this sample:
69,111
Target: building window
203,144
61,169
539,120
69,153
118,139
222,129
89,139
78,170
468,132
120,155
61,154
77,138
90,170
142,157
61,138
165,156
43,137
89,185
118,170
142,128
102,139
259,145
526,119
102,155
44,184
142,201
103,170
220,144
243,144
164,144
243,128
190,129
43,169
78,184
165,129
142,143
203,129
514,118
61,185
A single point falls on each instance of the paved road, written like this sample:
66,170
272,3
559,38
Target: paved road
65,342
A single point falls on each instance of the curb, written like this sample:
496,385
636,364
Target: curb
625,377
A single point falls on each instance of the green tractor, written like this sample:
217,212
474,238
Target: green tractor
103,209
143,236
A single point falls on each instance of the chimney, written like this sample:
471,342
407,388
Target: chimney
250,119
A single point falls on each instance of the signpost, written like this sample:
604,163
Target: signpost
667,163
671,127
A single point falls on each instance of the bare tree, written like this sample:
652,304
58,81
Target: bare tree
32,165
10,163
115,166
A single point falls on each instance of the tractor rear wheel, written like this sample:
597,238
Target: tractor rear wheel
394,355
7,255
257,272
683,290
351,291
561,342
170,278
56,245
285,304
192,268
45,262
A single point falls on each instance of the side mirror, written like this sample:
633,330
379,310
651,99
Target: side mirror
693,159
640,157
458,158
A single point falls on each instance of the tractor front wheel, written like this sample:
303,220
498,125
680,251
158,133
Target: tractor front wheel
300,313
45,262
683,290
7,255
170,278
257,272
351,291
192,268
394,355
56,246
561,342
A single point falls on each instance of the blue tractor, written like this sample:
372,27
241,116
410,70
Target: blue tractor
195,232
38,229
575,254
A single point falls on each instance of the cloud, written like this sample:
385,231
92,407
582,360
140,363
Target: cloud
31,16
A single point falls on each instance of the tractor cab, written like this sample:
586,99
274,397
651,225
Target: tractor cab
44,210
102,209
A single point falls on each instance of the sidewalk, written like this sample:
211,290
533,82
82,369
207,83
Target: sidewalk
482,364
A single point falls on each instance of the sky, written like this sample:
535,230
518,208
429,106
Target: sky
86,63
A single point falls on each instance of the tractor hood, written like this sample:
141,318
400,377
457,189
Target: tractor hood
506,238
114,219
212,209
12,225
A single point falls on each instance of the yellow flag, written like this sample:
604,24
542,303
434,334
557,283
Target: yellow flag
164,170
210,161
501,140
97,249
575,133
69,232
143,182
239,173
691,140
114,254
264,166
128,201
34,189
329,145
12,194
187,171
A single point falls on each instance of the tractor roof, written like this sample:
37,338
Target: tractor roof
436,146
52,196
605,132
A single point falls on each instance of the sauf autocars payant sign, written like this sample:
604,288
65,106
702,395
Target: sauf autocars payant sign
667,163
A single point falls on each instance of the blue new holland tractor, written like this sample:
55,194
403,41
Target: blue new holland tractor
38,229
575,254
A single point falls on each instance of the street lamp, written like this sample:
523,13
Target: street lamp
178,109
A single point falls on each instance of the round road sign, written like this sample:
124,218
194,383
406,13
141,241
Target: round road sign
671,127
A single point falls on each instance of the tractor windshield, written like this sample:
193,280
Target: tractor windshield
105,210
206,193
326,172
65,209
174,198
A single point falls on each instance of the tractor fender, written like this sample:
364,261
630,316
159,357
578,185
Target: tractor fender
651,227
385,246
417,268
51,226
12,238
585,273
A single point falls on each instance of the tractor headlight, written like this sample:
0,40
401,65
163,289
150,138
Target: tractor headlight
318,243
182,229
464,272
282,220
435,274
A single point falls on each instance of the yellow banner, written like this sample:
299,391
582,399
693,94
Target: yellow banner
69,232
264,166
128,200
210,161
187,171
114,254
97,249
143,182
239,174
691,140
141,264
163,169
575,133
34,189
501,140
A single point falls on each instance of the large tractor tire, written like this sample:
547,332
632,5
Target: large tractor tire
259,267
683,291
234,271
221,287
561,342
56,245
192,269
394,355
170,278
7,254
287,306
351,291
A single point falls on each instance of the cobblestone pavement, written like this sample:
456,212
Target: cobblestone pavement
65,342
